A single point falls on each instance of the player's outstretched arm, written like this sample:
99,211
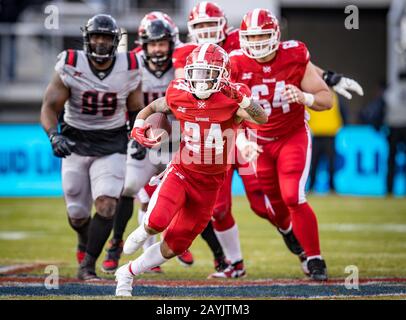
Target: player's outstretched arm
249,109
158,105
52,106
314,92
53,102
253,113
340,84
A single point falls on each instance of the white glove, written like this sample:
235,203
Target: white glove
249,150
347,84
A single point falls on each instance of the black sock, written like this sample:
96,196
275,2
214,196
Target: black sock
82,233
99,231
210,237
124,213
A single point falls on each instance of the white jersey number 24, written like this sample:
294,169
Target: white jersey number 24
214,139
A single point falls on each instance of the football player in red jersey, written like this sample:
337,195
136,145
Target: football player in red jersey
283,80
207,24
209,108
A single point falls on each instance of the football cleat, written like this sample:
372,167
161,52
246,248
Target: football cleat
291,242
87,273
186,258
124,281
110,263
235,270
155,270
317,269
221,264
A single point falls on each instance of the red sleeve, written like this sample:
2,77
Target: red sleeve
303,52
180,54
168,93
234,68
303,57
297,55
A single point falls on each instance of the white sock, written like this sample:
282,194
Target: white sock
230,241
287,230
141,214
152,257
150,241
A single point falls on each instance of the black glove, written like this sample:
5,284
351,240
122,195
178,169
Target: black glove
139,151
331,78
61,145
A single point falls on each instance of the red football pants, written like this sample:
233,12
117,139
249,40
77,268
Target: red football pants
183,205
282,170
222,216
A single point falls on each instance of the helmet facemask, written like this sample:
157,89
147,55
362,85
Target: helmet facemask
214,34
102,52
204,79
101,24
262,48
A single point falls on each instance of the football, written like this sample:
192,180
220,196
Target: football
159,124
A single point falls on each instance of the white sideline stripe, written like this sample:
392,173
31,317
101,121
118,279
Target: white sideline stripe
305,174
254,18
19,267
17,235
351,227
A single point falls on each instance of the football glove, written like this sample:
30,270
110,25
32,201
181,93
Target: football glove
138,133
61,145
342,85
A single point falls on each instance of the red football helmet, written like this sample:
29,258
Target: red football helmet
208,12
259,22
206,67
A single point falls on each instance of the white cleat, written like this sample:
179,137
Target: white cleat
124,281
135,241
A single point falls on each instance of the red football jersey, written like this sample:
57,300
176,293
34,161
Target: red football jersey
232,42
207,127
267,82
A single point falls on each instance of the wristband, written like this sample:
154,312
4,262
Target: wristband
245,103
139,123
308,99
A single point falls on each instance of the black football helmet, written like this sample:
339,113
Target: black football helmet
101,24
154,30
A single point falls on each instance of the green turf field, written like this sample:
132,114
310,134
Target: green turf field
366,232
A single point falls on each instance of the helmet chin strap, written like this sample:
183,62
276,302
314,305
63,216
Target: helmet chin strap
201,90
